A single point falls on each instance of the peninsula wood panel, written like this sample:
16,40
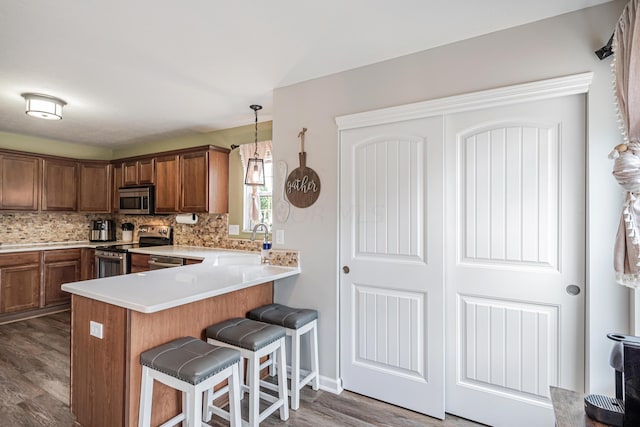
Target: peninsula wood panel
105,373
186,320
97,365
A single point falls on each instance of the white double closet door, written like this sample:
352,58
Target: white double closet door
463,241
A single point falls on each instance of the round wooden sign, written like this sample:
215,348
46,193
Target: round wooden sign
303,184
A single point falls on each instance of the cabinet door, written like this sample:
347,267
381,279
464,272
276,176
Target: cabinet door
189,261
167,184
95,188
19,182
194,185
130,173
19,288
218,181
60,266
139,262
88,264
117,183
55,275
146,171
59,179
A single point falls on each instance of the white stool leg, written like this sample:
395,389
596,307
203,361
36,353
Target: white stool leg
253,380
186,409
194,405
282,380
295,370
274,361
314,356
146,397
235,419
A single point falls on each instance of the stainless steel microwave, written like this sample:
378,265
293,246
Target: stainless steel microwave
136,200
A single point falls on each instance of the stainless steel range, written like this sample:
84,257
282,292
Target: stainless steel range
113,260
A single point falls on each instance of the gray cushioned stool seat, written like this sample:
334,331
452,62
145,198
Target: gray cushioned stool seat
245,333
189,359
278,314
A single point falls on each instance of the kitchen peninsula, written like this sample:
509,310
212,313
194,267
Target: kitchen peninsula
115,319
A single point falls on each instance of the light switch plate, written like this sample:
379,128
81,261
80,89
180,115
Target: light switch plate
234,229
280,237
95,329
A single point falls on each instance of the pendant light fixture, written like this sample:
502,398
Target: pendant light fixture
255,166
43,106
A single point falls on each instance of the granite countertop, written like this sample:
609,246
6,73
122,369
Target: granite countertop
9,248
221,272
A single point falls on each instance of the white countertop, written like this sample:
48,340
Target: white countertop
221,272
8,248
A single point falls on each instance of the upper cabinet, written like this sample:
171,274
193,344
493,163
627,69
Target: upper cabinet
167,184
138,172
59,178
94,194
204,180
116,184
190,180
19,182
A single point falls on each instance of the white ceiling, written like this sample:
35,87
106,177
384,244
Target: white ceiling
134,71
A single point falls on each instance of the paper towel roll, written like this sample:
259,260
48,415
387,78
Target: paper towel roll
187,218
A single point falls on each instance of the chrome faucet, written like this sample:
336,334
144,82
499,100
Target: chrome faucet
266,232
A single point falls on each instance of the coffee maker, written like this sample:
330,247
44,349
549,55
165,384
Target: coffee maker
624,409
102,230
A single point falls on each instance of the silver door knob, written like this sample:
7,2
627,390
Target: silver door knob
573,290
345,269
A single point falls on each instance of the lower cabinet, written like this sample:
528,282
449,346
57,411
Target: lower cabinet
189,261
19,281
30,282
88,264
60,267
139,262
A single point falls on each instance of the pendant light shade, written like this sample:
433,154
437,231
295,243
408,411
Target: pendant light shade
255,166
43,106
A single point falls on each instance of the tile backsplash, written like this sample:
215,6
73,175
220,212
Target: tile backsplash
210,231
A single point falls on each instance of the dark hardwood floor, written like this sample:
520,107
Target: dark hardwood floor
34,387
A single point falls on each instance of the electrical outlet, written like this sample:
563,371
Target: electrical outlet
234,229
95,329
280,237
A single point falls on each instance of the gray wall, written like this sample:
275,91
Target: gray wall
551,48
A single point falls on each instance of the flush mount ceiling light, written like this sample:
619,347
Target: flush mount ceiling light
43,106
255,166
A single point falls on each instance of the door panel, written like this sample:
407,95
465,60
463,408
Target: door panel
391,240
515,241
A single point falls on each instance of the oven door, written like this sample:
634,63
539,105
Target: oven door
111,264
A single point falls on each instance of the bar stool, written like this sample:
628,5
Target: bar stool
191,366
255,340
296,322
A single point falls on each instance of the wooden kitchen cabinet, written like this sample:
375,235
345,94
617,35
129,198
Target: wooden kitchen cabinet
19,281
139,263
167,184
204,181
117,183
19,182
138,172
88,264
94,193
60,266
59,178
189,261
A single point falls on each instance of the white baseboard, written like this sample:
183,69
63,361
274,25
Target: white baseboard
332,385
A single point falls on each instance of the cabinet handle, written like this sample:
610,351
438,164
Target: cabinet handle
346,269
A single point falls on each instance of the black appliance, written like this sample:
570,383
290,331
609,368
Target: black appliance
114,260
136,200
102,230
624,409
